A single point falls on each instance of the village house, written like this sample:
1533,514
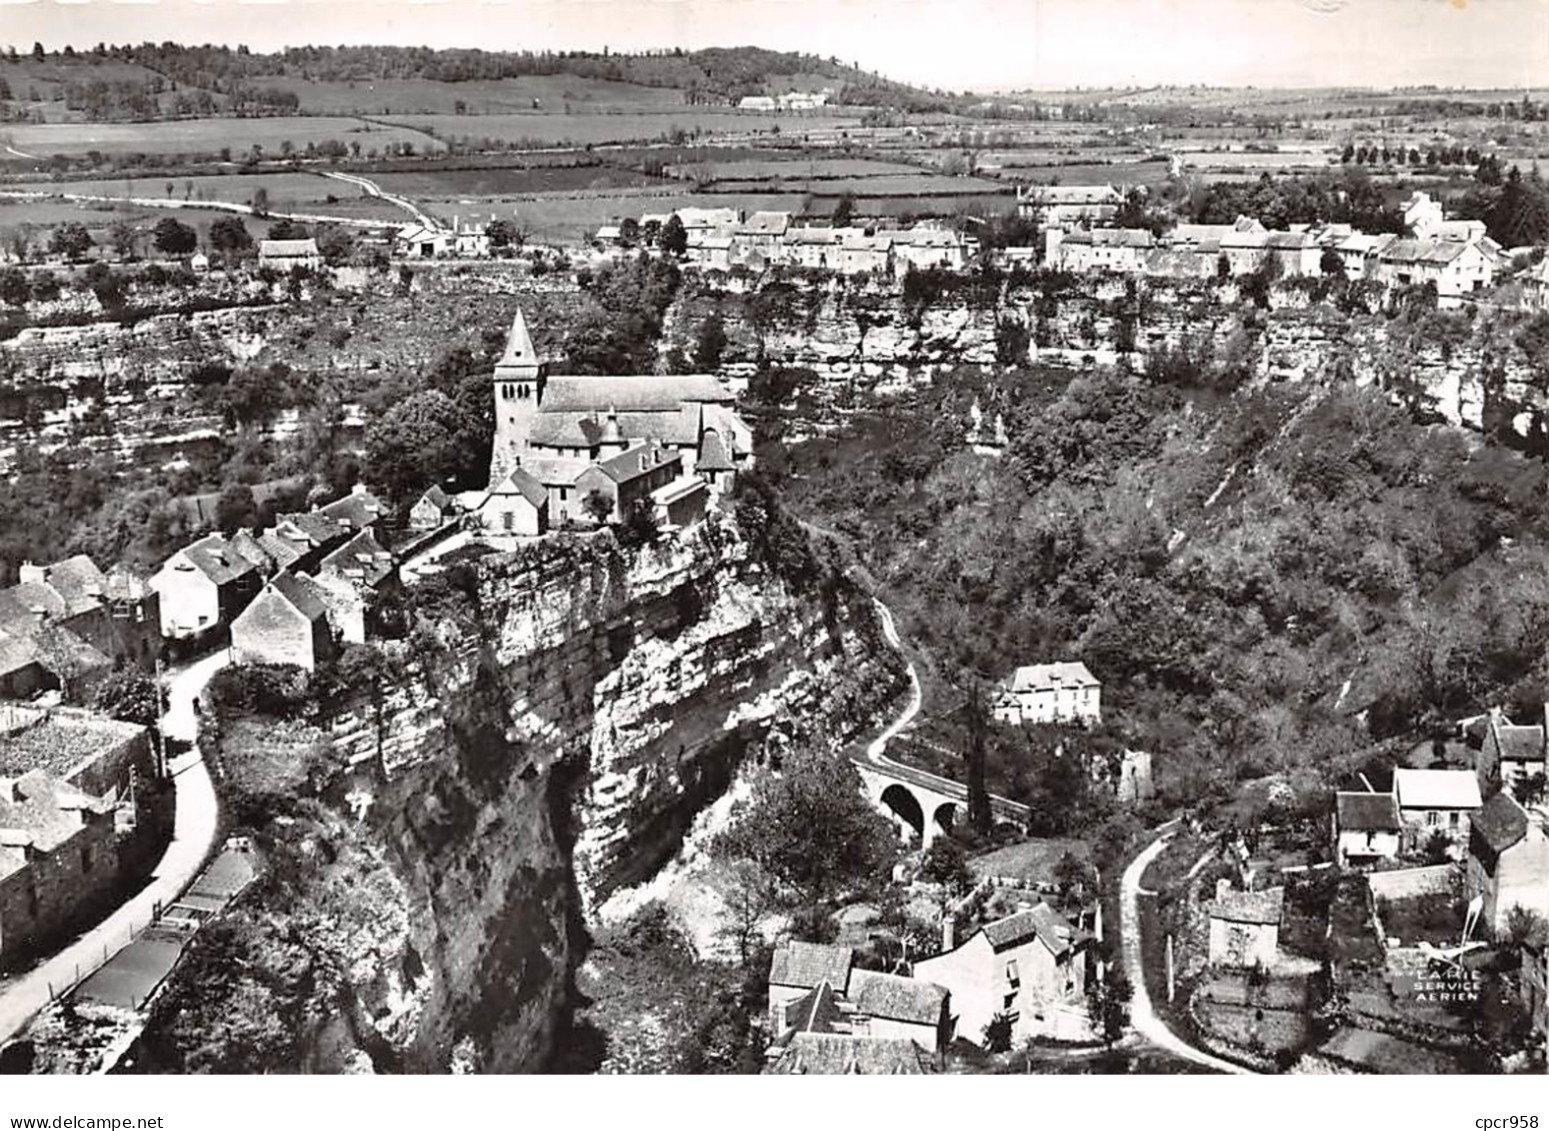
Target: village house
887,1005
708,219
72,608
682,502
1029,966
930,247
289,255
556,427
1244,926
798,968
287,623
1535,286
1422,214
1050,693
1115,250
72,820
516,507
846,1054
355,574
359,510
1454,268
798,100
1068,206
1508,861
1511,755
760,103
419,241
1432,802
1359,253
1366,827
203,586
433,510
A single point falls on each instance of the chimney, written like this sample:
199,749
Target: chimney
657,452
948,933
35,574
1223,887
644,460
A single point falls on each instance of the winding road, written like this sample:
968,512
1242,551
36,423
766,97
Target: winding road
1142,1016
193,837
371,188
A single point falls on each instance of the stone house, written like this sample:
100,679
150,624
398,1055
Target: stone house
422,242
1510,754
1454,268
1508,861
1111,250
357,511
1435,801
1069,205
799,968
432,510
288,255
1245,926
354,575
58,859
1359,253
887,1005
1030,966
1048,693
203,586
1367,827
67,621
1535,286
516,507
287,623
629,478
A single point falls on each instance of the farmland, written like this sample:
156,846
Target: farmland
208,135
570,218
515,181
541,129
553,94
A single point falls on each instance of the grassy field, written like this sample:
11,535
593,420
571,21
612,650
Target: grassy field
603,127
795,167
497,182
572,219
553,93
288,192
98,218
208,135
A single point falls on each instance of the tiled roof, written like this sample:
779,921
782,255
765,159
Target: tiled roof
364,555
842,1054
1248,906
519,348
78,582
807,964
634,462
1042,921
1072,194
24,607
303,593
1374,812
1436,252
214,557
1044,677
318,527
1501,822
1517,744
17,653
56,739
436,497
1436,789
520,482
1113,237
646,393
39,810
767,223
678,425
895,998
357,510
815,1011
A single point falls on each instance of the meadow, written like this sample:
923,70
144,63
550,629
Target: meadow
208,135
605,127
514,181
549,94
287,192
573,219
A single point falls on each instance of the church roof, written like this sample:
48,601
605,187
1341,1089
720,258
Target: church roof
676,425
646,393
519,347
712,452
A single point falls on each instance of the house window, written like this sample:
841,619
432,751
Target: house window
508,520
1433,818
1452,819
1012,974
564,494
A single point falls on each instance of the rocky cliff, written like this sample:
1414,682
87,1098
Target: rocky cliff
549,740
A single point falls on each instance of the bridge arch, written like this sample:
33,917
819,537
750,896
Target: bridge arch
899,800
943,818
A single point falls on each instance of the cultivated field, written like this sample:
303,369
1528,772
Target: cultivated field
287,192
552,94
573,219
208,135
541,129
796,167
498,182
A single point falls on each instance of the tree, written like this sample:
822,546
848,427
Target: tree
235,508
747,900
997,1034
1330,264
598,505
1108,1001
812,831
14,288
976,713
640,525
1530,789
173,237
425,438
71,240
335,243
710,344
844,211
229,235
1525,927
502,234
122,236
260,201
37,53
674,237
131,696
945,863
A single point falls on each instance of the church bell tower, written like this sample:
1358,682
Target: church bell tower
518,388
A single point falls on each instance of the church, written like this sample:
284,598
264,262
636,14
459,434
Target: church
555,428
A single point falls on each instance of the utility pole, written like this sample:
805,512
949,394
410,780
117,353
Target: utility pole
161,719
1169,968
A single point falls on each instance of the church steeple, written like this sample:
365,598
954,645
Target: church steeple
518,391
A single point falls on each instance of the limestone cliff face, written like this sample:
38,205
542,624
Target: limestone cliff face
520,771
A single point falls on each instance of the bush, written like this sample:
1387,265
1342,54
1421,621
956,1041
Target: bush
282,691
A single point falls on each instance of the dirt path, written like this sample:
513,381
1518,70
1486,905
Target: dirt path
1142,1017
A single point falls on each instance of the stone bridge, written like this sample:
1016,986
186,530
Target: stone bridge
922,804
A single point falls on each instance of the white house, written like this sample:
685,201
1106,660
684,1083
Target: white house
286,255
1245,926
1048,693
1366,827
1435,801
